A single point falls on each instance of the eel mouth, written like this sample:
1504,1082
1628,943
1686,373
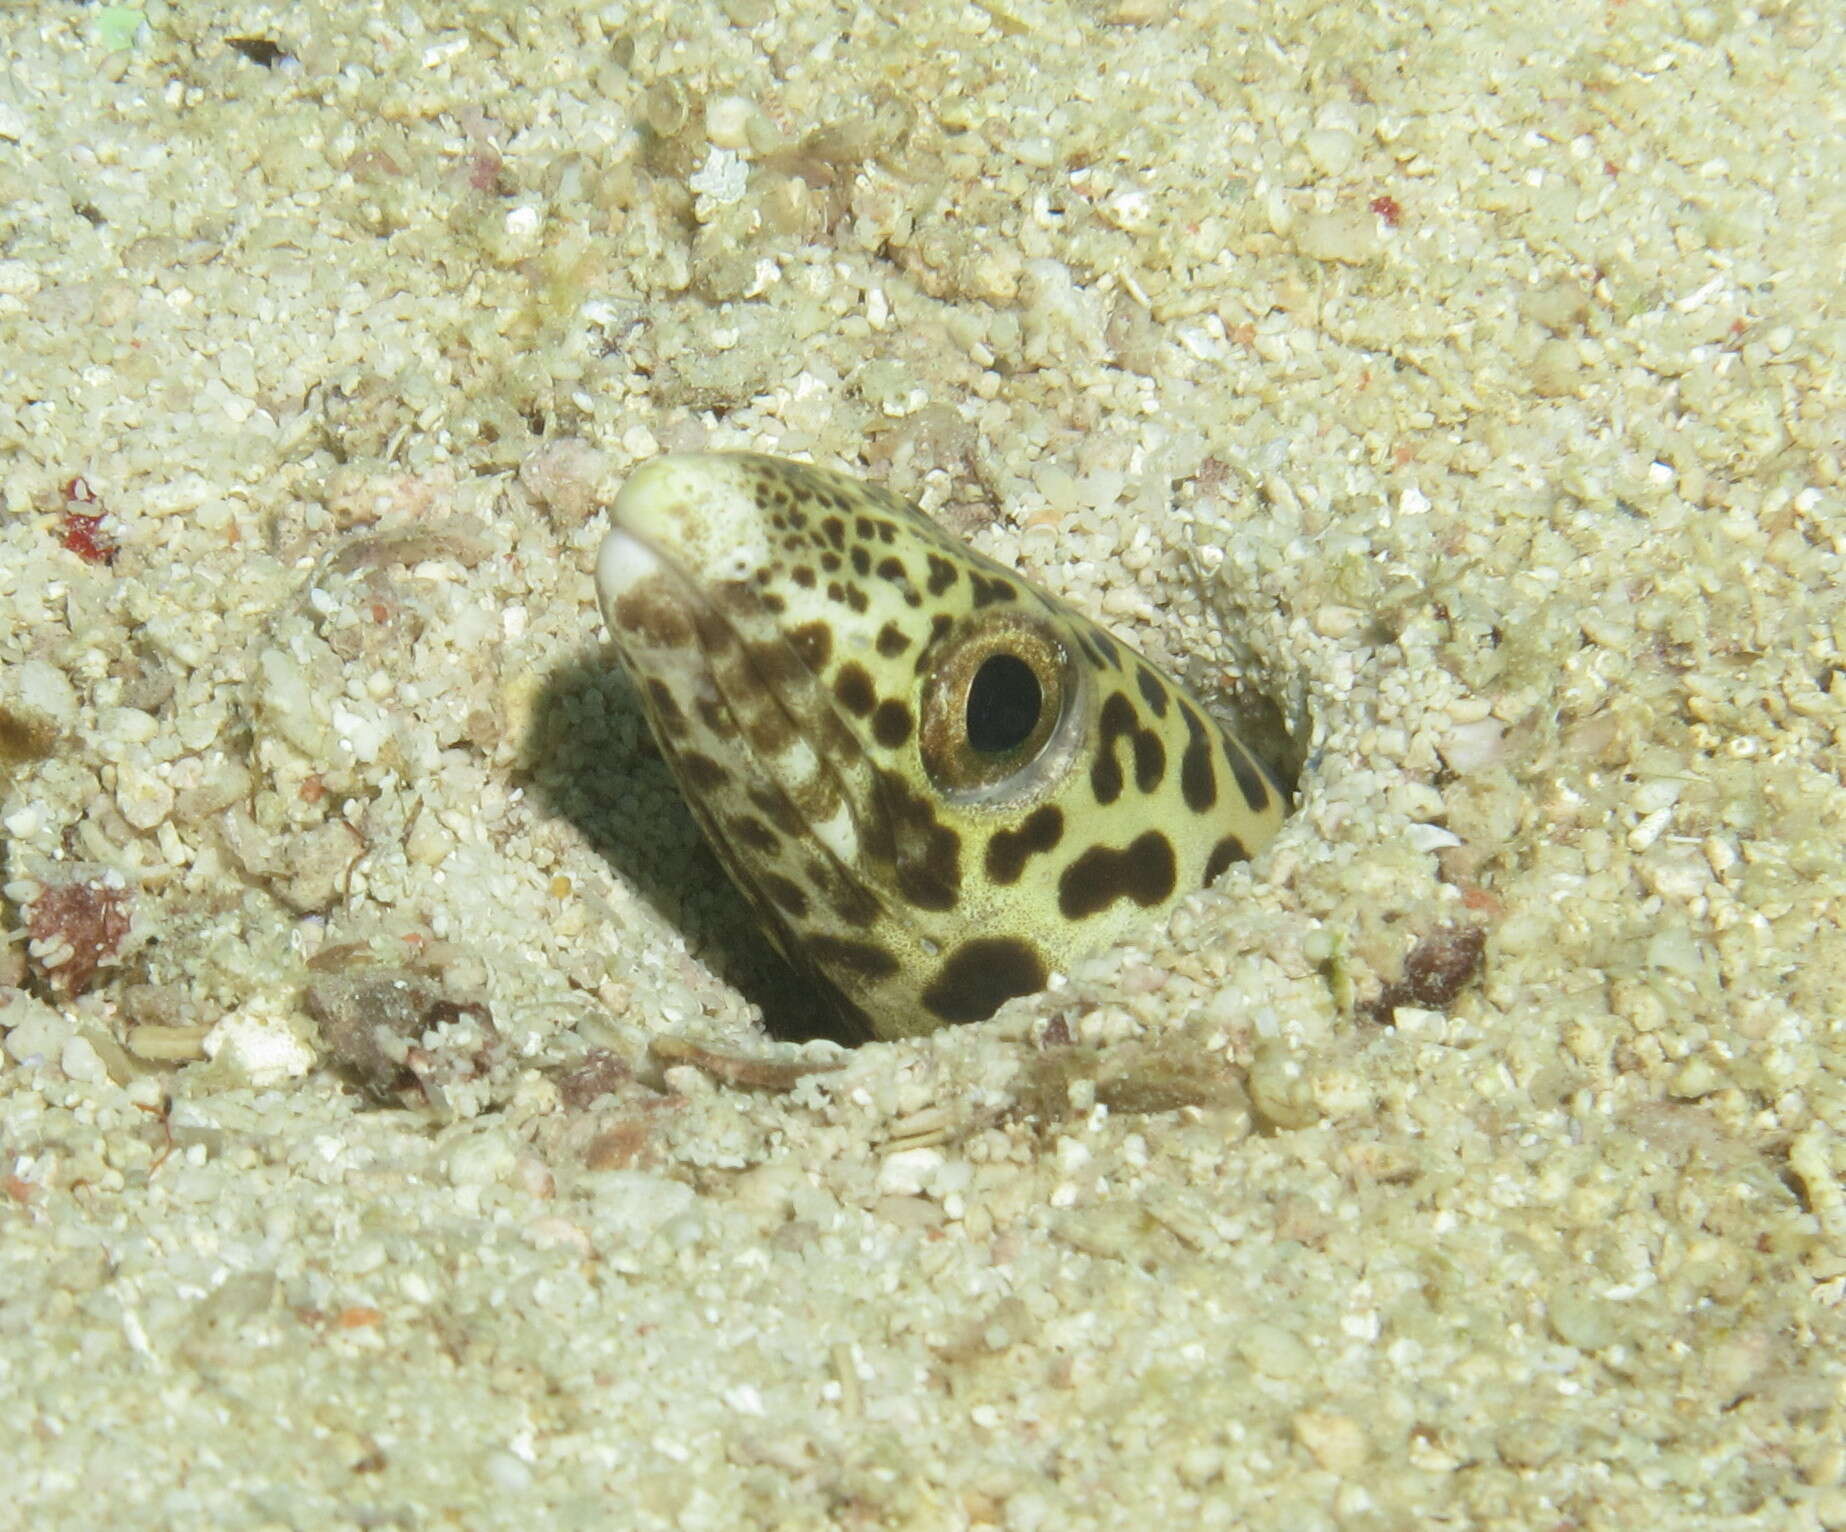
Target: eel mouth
622,563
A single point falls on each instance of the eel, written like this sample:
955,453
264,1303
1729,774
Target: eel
933,782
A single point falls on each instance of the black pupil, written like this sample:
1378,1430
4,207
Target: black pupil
1003,704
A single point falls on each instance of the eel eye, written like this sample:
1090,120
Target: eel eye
994,694
1004,704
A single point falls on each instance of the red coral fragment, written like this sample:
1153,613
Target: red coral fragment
90,918
1435,972
1386,207
82,532
84,536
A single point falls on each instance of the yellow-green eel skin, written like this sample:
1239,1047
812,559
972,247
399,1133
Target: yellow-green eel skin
933,782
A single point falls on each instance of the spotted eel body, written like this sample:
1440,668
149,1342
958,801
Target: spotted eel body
933,782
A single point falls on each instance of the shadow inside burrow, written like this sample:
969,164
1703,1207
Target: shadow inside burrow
1261,724
594,763
1271,714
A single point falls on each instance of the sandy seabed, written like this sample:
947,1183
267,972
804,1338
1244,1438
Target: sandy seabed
1466,380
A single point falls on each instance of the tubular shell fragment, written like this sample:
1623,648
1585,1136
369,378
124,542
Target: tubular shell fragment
933,782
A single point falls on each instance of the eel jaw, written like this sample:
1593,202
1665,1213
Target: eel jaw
622,563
